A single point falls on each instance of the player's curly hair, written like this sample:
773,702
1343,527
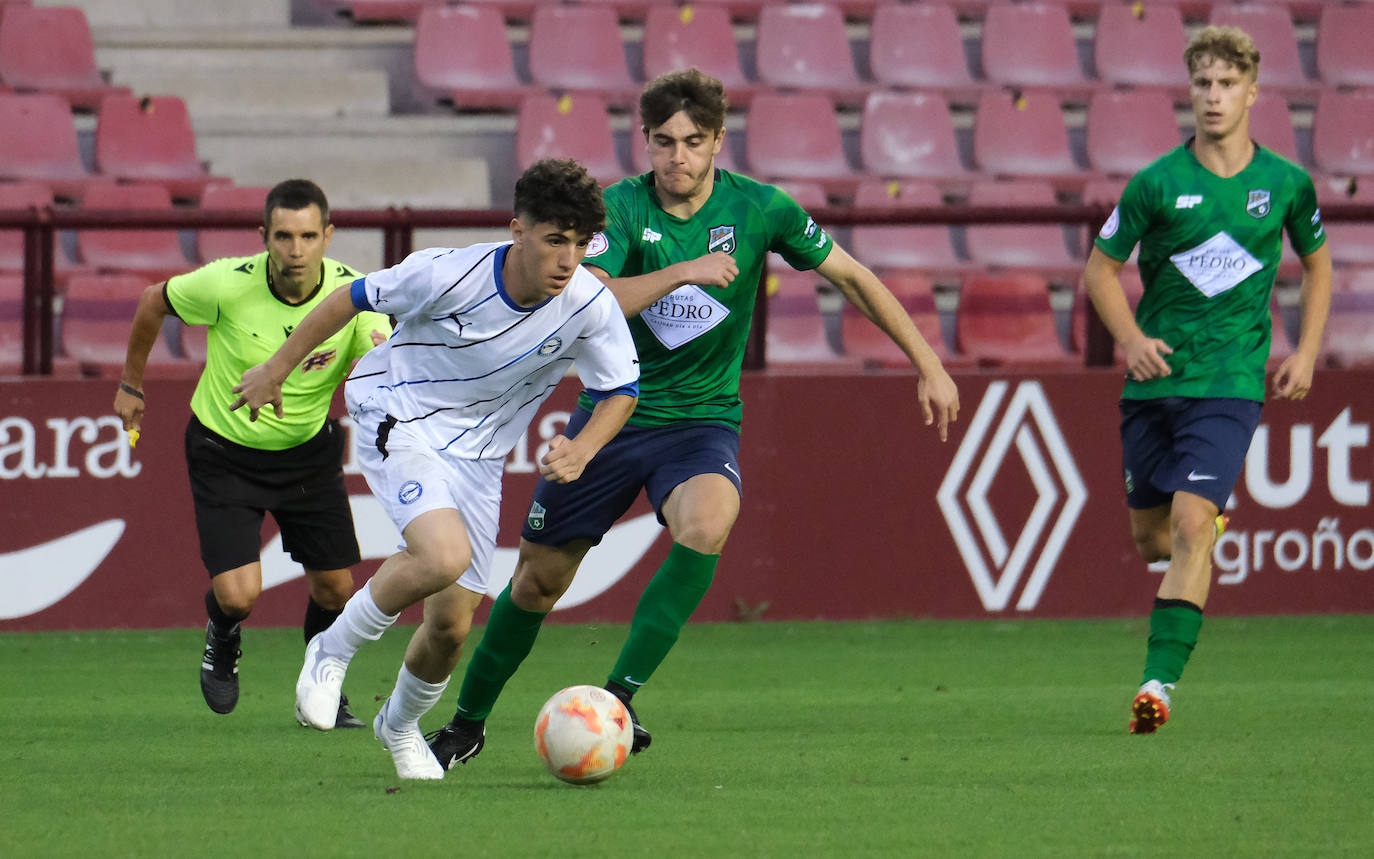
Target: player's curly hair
690,90
559,191
1228,44
295,194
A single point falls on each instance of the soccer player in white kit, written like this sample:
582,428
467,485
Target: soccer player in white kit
483,336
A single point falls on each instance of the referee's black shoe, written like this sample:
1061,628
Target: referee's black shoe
346,719
219,669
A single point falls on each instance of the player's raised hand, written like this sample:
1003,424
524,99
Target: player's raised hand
258,388
939,401
1294,377
714,269
564,462
1145,358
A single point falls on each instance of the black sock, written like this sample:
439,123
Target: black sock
223,623
318,618
622,692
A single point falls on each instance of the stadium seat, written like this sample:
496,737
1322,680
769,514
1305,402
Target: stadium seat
1348,340
741,10
567,127
918,246
1038,246
804,46
1141,46
797,136
217,244
919,45
1032,45
463,53
153,254
1343,55
798,331
680,37
380,11
150,140
1271,26
1006,320
19,196
909,134
1343,133
808,195
867,342
511,10
1129,129
1271,125
1351,242
38,141
631,10
96,314
1023,136
1083,309
49,49
1103,191
577,49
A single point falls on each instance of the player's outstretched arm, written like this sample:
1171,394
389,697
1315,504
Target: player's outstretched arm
147,325
1294,377
638,292
261,385
1144,355
938,394
568,457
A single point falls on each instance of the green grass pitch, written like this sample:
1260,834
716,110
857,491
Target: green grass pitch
920,738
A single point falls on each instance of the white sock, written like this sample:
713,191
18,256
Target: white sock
411,699
361,621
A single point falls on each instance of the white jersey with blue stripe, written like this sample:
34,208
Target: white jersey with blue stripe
467,367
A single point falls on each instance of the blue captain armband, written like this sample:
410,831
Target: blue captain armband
630,390
358,292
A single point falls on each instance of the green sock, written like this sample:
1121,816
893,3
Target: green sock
672,595
1174,626
510,633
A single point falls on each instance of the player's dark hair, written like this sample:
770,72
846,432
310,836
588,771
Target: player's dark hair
295,194
559,191
690,90
1228,44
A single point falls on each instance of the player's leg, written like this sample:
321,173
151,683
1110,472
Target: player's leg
228,602
329,592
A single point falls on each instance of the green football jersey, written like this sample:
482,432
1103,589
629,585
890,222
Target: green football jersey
247,323
691,342
1209,252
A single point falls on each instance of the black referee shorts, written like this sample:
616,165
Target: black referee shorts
302,487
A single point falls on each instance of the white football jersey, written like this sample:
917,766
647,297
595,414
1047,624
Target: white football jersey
466,367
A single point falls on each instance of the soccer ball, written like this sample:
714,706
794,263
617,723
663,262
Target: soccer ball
583,734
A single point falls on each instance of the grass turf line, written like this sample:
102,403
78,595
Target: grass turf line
778,739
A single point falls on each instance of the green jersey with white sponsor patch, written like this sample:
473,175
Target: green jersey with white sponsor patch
691,342
1209,252
247,322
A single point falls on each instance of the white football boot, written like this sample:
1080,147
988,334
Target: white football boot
319,687
408,748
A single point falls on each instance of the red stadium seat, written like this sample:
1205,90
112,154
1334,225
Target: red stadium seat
924,247
680,37
38,141
1343,133
1343,55
808,195
909,134
19,196
1351,242
1271,125
49,49
567,127
217,244
1082,307
1129,129
1032,45
154,254
804,46
1272,29
797,136
463,52
96,315
741,10
868,342
1348,340
1038,246
919,45
376,11
798,331
630,10
1023,137
1103,191
150,140
578,49
11,324
1006,320
1141,46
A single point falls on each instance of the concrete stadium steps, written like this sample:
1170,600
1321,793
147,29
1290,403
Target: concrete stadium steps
180,13
253,94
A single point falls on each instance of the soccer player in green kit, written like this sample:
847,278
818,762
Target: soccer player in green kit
291,467
1209,217
683,251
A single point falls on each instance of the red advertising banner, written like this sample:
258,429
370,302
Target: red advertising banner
853,509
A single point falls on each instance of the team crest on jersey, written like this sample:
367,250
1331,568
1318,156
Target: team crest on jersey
551,345
1258,205
721,238
319,360
410,492
536,517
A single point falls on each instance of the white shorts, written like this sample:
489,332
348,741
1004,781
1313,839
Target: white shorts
413,478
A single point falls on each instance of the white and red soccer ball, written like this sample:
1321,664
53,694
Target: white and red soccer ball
583,734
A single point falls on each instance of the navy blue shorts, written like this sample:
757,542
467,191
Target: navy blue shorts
1188,444
655,459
